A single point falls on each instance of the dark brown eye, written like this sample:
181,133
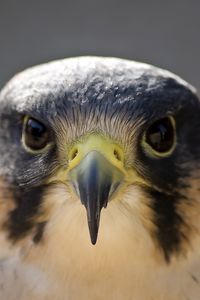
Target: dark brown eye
36,135
160,135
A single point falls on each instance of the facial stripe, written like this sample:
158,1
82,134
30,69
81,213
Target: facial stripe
168,221
22,219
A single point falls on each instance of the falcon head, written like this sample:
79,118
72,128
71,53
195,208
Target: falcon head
101,143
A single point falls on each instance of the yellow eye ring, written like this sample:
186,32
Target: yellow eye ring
159,140
35,136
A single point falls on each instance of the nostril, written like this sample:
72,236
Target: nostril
74,154
117,155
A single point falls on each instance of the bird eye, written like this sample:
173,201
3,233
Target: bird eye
160,136
35,134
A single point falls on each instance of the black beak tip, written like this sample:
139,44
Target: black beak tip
95,180
93,230
94,241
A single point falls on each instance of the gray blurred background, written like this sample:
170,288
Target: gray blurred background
164,33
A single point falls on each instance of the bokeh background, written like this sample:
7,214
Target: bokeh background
164,33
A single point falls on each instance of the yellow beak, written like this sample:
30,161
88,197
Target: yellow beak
96,171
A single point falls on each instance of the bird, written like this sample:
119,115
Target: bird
99,182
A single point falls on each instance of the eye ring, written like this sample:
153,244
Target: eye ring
35,135
159,140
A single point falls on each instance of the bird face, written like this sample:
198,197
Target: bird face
107,132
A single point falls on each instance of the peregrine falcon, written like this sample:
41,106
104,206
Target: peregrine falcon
99,183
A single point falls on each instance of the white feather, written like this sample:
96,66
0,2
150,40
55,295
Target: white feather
124,264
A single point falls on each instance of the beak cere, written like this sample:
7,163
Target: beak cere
95,180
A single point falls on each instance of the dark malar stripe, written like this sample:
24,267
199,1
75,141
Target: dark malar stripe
167,221
21,219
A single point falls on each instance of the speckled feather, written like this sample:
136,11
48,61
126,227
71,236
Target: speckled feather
149,239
